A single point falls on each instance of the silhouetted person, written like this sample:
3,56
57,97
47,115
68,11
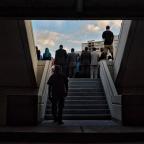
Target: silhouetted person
58,88
85,63
46,54
38,53
94,64
108,41
61,58
71,61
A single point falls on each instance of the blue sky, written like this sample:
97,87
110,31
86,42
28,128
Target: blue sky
70,33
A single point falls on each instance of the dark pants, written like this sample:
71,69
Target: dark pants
85,70
64,69
72,71
57,108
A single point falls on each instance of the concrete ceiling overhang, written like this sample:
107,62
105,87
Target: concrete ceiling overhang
72,9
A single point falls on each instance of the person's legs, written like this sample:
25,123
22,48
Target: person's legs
111,50
54,109
82,70
98,70
91,71
74,71
95,71
88,71
106,47
60,110
70,72
64,67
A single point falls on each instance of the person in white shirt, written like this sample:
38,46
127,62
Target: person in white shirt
94,64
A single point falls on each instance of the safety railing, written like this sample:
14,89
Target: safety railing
113,98
43,90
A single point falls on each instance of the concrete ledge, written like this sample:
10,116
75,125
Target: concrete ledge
114,100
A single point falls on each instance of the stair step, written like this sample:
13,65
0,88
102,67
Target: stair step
83,111
84,79
86,93
90,93
85,101
85,86
85,90
86,98
81,116
83,106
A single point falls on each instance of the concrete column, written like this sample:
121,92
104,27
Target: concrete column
18,74
129,68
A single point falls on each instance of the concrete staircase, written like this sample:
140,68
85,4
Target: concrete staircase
85,101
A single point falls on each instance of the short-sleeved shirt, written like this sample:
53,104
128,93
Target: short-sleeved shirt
59,83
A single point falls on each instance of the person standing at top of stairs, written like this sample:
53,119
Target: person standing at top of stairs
85,61
108,37
71,62
94,64
61,58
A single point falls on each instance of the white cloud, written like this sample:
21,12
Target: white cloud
46,39
113,23
92,28
75,41
103,23
117,23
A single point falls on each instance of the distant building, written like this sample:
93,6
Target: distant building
99,44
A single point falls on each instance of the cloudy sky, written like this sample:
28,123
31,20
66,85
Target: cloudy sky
70,33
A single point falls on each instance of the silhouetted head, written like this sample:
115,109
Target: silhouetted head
57,69
94,49
86,48
36,48
72,50
61,46
107,27
46,50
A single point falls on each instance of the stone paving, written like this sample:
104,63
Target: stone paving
76,126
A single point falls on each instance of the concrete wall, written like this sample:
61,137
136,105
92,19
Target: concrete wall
15,60
18,82
31,44
121,45
40,69
113,99
130,76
